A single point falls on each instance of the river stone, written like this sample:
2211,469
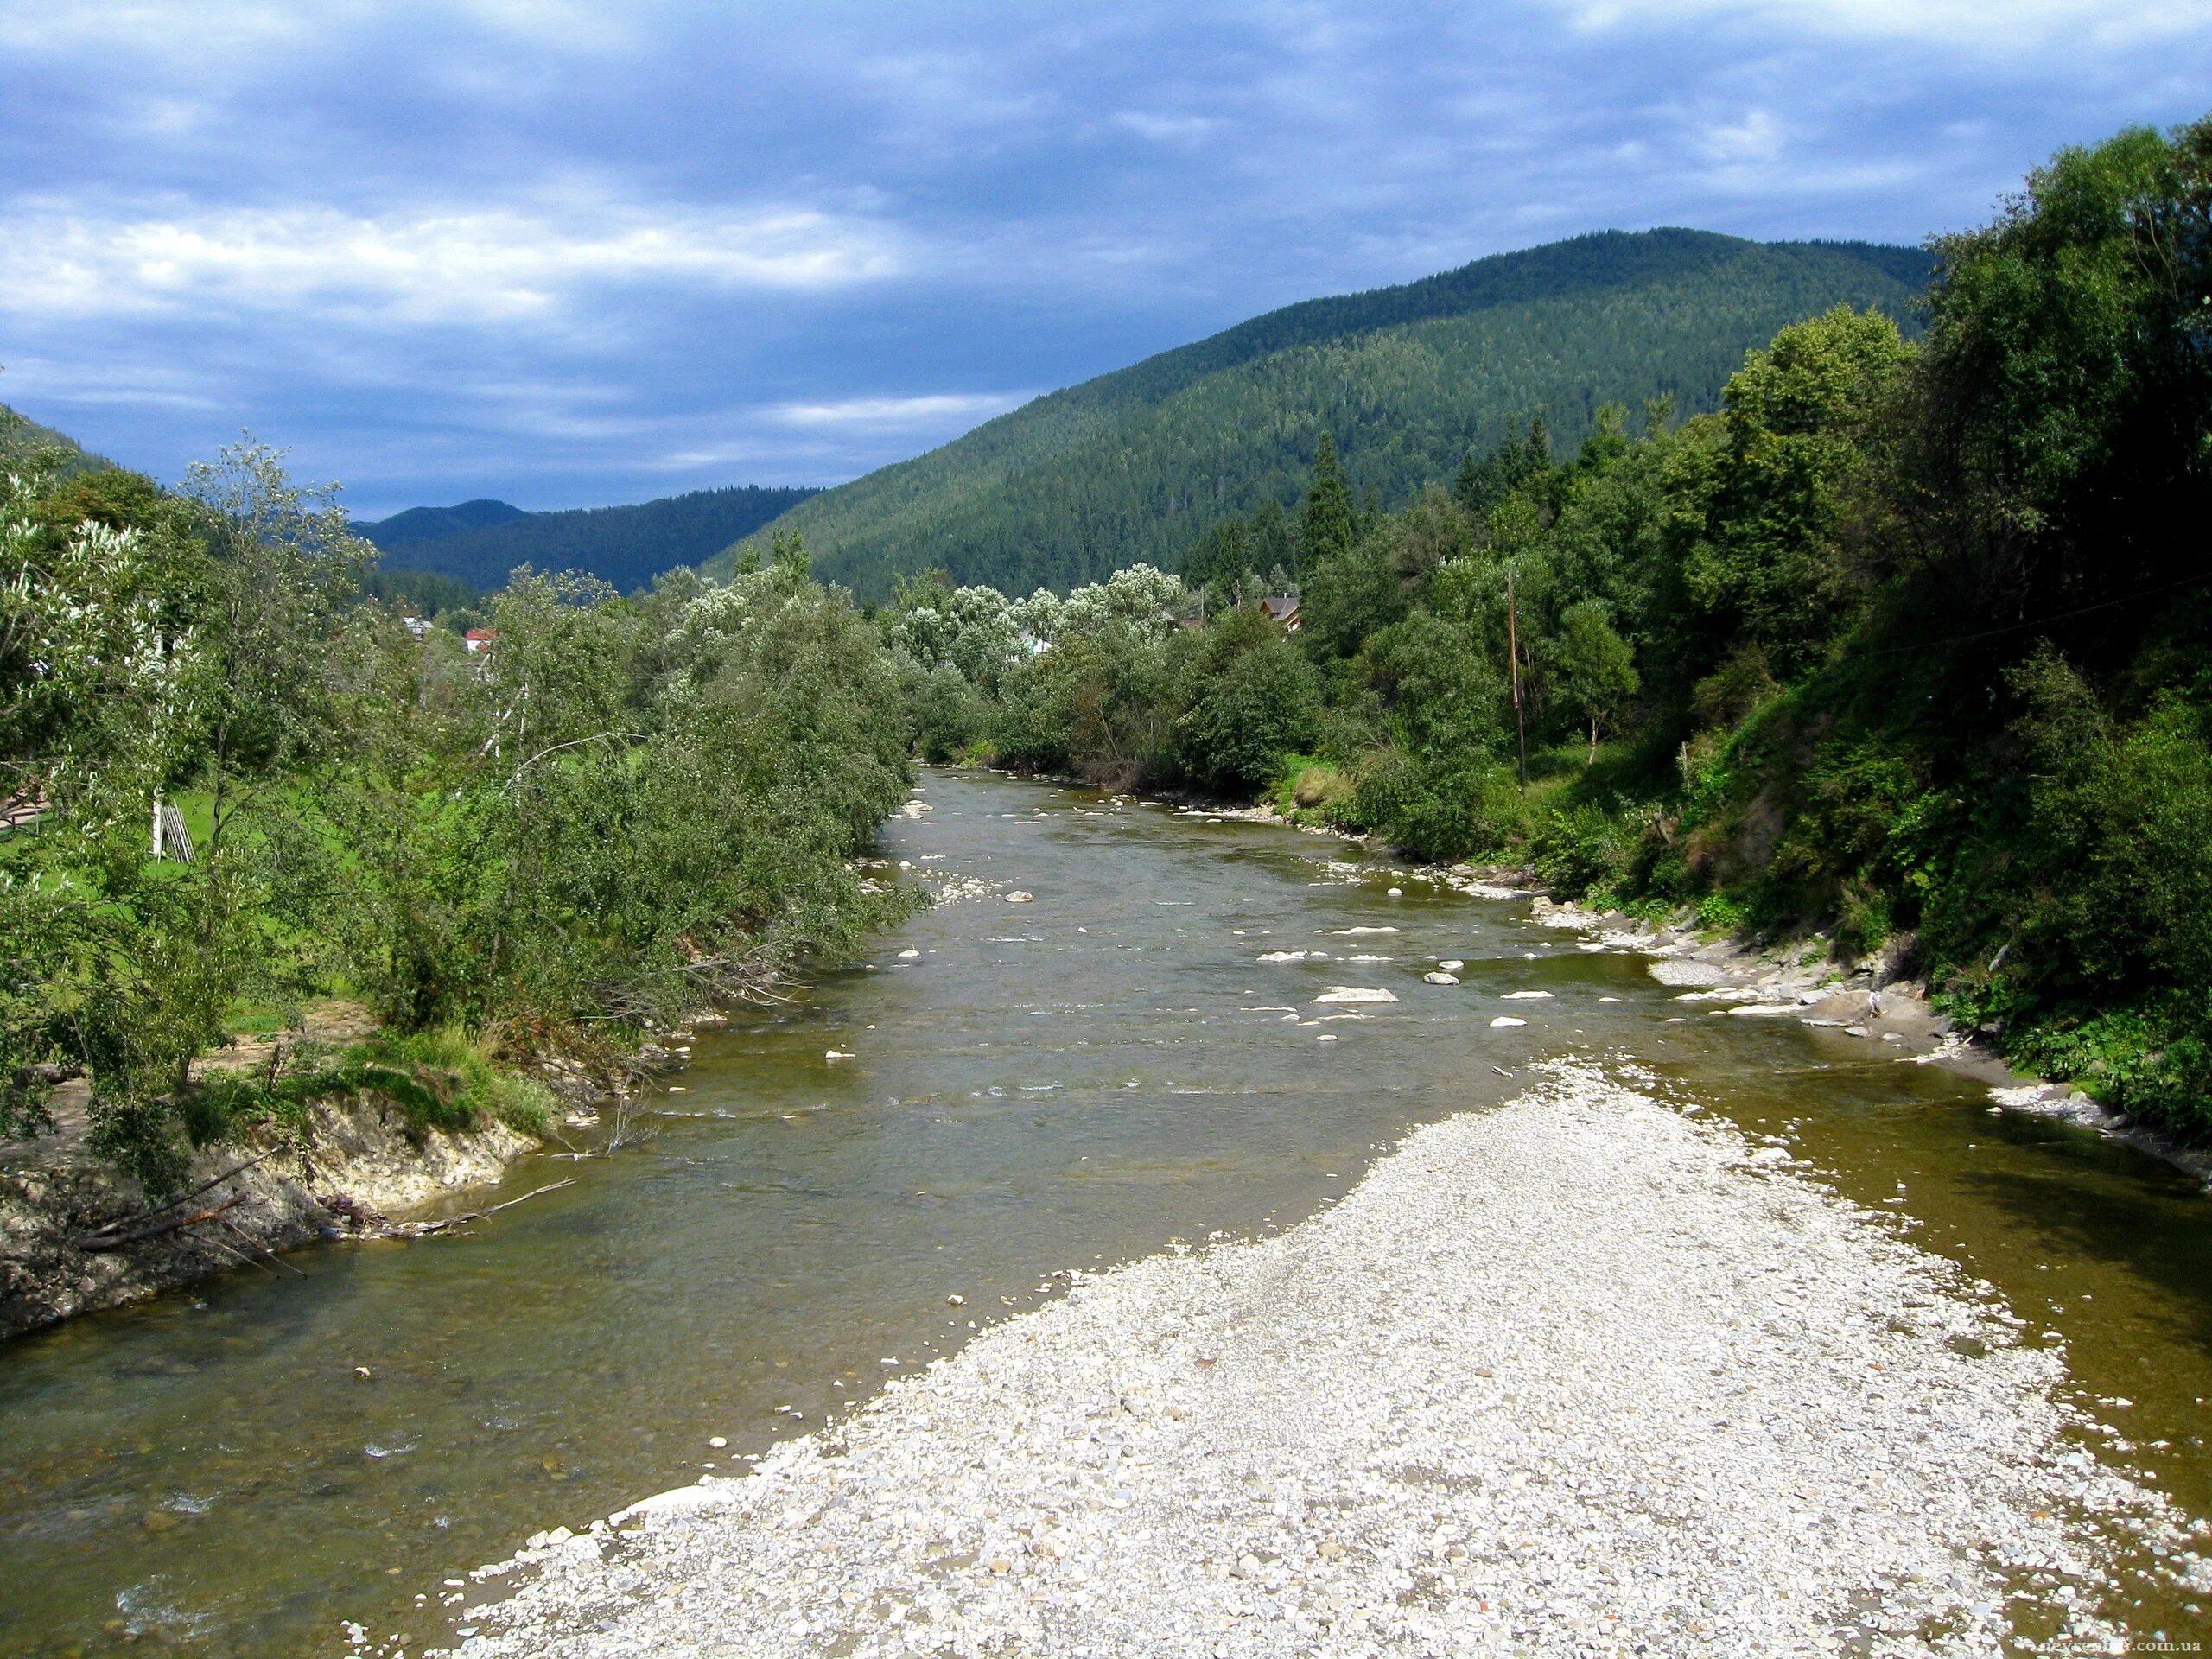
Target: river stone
1356,993
1711,1433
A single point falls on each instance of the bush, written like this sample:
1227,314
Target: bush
1579,849
1249,713
1456,809
2150,1060
1717,912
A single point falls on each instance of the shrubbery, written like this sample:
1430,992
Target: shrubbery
624,808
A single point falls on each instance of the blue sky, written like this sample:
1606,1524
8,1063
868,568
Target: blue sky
569,254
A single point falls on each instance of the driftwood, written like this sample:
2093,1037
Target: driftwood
112,1241
130,1228
431,1229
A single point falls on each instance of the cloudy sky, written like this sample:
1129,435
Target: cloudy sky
568,253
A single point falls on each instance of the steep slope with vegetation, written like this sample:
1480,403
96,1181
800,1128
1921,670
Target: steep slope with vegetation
21,438
1133,465
481,543
1906,645
626,807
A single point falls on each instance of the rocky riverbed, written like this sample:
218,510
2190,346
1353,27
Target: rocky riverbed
1587,1373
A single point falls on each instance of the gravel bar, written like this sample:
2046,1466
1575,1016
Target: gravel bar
1580,1373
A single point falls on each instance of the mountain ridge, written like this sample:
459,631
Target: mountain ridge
425,524
626,546
1140,461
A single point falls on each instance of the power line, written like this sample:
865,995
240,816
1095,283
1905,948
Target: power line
2040,622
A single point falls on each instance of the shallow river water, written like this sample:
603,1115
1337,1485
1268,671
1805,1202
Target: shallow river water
1034,1088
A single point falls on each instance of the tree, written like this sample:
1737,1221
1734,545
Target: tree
1275,541
1774,523
1221,561
1326,529
1254,702
1596,663
2065,414
1347,597
174,647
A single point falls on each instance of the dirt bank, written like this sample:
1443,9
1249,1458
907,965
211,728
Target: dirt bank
358,1161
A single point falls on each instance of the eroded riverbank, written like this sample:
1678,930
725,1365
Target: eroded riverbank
1577,1374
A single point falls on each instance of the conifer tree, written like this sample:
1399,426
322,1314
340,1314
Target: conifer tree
1274,540
1327,526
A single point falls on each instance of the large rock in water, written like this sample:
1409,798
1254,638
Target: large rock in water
1355,993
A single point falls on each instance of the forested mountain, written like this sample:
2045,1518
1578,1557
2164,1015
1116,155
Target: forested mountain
1137,464
426,523
21,438
480,542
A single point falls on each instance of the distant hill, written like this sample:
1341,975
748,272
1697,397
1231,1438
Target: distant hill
423,523
480,542
1138,463
19,435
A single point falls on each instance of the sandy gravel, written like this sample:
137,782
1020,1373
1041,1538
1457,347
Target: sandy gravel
1579,1375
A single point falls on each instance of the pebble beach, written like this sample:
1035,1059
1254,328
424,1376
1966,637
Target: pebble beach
1589,1373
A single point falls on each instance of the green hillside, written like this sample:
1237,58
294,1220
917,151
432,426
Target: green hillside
1137,464
426,523
21,438
625,546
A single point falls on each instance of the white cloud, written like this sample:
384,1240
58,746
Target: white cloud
1997,26
458,266
1184,130
1757,138
932,410
87,385
206,27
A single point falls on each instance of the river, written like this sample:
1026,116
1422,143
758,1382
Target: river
1031,1087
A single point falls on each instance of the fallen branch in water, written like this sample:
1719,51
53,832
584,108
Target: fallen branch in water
429,1229
106,1239
116,1234
258,1245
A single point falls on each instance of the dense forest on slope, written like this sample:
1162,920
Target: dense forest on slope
480,542
1898,651
1134,465
624,807
21,438
426,523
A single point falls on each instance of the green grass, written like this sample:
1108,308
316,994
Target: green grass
444,1079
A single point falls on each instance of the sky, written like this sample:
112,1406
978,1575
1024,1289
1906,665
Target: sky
572,254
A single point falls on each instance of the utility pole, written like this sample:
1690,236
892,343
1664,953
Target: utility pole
1513,653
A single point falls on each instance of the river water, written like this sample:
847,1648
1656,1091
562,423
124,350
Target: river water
1032,1088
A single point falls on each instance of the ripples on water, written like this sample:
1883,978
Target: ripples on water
1123,1067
